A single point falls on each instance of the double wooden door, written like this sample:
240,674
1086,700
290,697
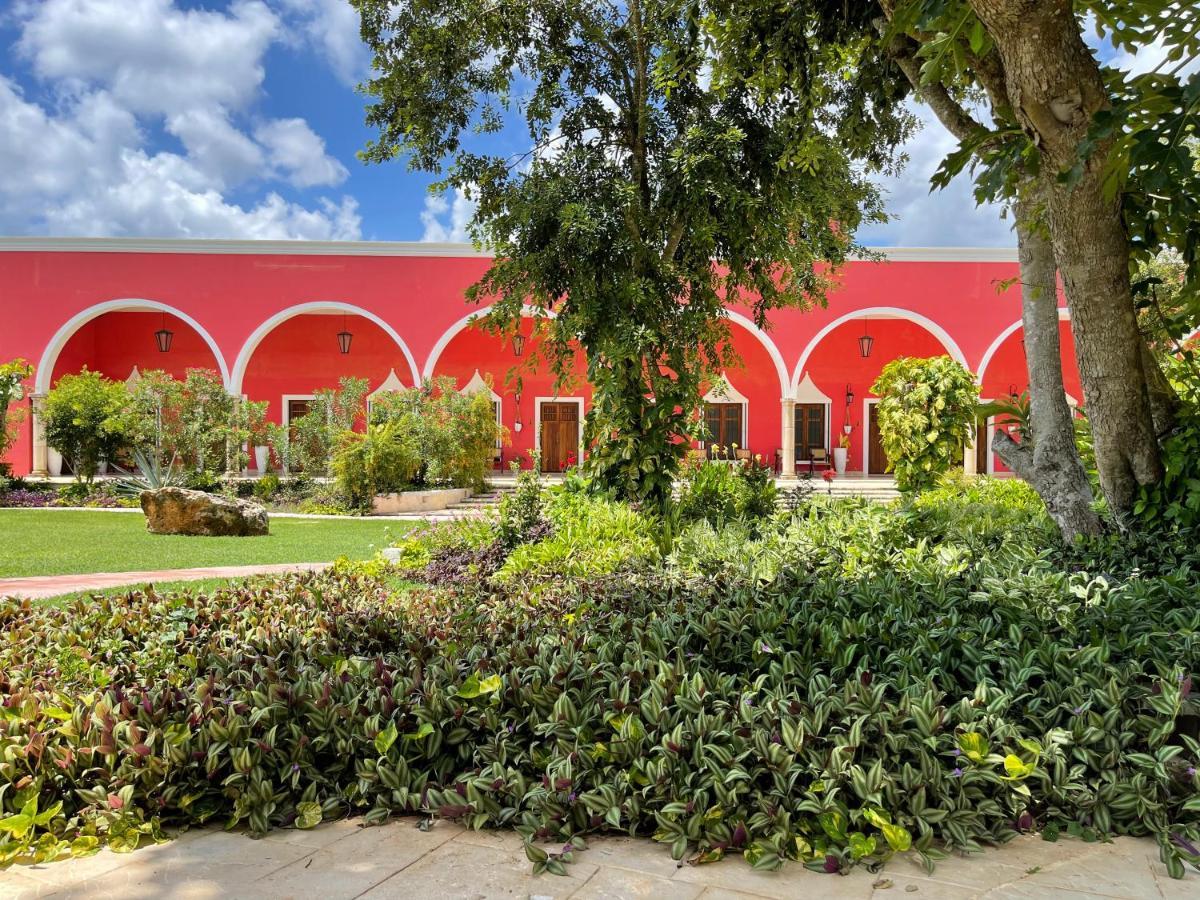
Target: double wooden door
877,461
810,430
560,436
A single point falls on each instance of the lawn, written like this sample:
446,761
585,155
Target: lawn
54,542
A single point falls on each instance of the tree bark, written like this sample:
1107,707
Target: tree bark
1055,87
1048,458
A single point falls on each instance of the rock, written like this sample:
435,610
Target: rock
172,510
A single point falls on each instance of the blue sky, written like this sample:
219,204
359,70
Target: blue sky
239,119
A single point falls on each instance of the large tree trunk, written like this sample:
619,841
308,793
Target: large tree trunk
1048,458
1055,86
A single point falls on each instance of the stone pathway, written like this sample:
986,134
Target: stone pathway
38,586
398,860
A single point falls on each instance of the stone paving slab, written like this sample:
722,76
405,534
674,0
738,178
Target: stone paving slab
37,586
342,860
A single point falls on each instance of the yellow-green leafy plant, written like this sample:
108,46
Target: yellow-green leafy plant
84,416
927,410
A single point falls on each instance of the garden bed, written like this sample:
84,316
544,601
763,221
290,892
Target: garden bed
847,683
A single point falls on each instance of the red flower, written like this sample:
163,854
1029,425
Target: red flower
829,475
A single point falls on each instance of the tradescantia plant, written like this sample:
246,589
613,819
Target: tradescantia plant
868,683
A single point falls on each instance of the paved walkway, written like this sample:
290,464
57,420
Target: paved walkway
342,860
38,586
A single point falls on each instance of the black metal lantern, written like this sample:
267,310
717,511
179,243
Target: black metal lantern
164,336
1012,391
344,337
849,396
866,342
518,344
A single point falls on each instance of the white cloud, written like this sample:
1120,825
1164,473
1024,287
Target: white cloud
152,56
447,219
299,152
949,217
81,161
331,27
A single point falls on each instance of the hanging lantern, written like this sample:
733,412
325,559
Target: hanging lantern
866,342
1012,391
518,344
164,336
849,396
344,337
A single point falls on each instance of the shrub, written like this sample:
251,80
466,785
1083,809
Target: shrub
455,434
719,492
590,537
84,420
317,433
13,374
382,461
927,408
522,518
266,487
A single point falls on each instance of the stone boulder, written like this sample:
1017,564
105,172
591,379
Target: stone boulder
172,510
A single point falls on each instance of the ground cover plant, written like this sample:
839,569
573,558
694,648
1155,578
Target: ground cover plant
62,542
854,682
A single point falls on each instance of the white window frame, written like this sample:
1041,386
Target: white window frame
286,412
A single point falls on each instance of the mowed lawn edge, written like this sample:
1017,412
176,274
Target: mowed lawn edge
57,542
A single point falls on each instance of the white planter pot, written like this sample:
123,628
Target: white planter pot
262,456
102,467
54,462
839,459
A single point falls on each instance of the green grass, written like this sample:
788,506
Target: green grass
45,542
198,586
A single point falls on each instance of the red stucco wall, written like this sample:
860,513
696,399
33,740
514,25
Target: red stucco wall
241,300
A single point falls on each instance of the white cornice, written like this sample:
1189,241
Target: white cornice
397,248
265,248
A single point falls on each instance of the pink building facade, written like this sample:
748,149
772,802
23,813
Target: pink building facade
266,316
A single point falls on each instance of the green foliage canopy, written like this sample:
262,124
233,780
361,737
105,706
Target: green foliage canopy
646,164
84,420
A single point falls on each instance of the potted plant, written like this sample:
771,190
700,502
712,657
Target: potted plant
257,434
840,452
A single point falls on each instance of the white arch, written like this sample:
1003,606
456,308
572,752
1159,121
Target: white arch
462,324
252,342
768,345
891,312
532,312
45,369
1064,315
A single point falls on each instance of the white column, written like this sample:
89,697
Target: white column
41,462
969,452
787,462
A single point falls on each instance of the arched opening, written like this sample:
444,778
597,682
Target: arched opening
833,366
113,337
291,357
1004,375
538,417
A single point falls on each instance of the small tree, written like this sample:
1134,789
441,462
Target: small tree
333,411
85,420
927,410
455,433
12,389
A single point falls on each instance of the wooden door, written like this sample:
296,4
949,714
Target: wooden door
981,445
877,461
296,410
810,429
560,435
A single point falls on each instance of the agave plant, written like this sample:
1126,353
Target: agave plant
150,476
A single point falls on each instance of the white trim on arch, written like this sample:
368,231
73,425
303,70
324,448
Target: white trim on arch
45,368
1064,315
892,312
317,306
768,345
465,322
